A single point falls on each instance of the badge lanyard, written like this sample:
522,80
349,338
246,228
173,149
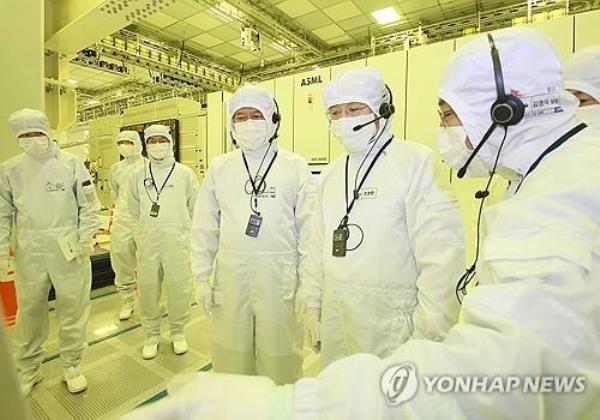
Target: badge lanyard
350,205
255,221
155,206
341,234
550,149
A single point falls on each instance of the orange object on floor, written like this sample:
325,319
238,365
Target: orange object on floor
9,299
8,294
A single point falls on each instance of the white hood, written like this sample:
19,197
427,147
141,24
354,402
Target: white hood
251,96
531,67
163,131
132,136
361,85
28,121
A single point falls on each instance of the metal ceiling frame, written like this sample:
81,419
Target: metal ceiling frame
116,106
275,26
174,66
395,40
192,74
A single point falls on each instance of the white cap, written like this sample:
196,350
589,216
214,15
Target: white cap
251,96
357,85
128,135
582,72
29,121
133,136
158,130
531,66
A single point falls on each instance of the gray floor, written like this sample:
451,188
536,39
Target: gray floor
119,379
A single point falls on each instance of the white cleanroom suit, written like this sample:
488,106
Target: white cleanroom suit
163,237
255,329
122,245
52,199
399,282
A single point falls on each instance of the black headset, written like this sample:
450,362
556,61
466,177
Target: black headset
507,110
276,119
387,109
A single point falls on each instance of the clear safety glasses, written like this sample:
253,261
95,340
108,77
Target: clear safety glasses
352,109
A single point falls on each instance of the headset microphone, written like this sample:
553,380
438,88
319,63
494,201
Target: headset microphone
462,171
386,110
506,111
361,126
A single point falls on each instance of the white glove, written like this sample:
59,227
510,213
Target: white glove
204,296
4,266
213,396
84,251
312,328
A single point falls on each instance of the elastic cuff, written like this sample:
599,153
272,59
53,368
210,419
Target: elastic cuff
71,363
30,371
128,298
152,339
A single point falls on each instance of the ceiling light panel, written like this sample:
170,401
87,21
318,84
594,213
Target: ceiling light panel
386,16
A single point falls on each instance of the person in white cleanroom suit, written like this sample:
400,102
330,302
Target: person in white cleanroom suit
536,310
255,329
405,229
122,245
161,198
582,78
53,201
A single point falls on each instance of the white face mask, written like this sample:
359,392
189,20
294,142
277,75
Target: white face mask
250,135
34,146
455,153
590,115
159,151
126,150
354,141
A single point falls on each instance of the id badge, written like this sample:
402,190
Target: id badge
340,242
253,225
154,210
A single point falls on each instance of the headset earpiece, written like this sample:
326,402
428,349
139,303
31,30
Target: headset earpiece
387,109
276,119
508,109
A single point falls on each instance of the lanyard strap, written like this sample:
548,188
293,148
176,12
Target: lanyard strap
552,148
158,193
256,189
350,206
